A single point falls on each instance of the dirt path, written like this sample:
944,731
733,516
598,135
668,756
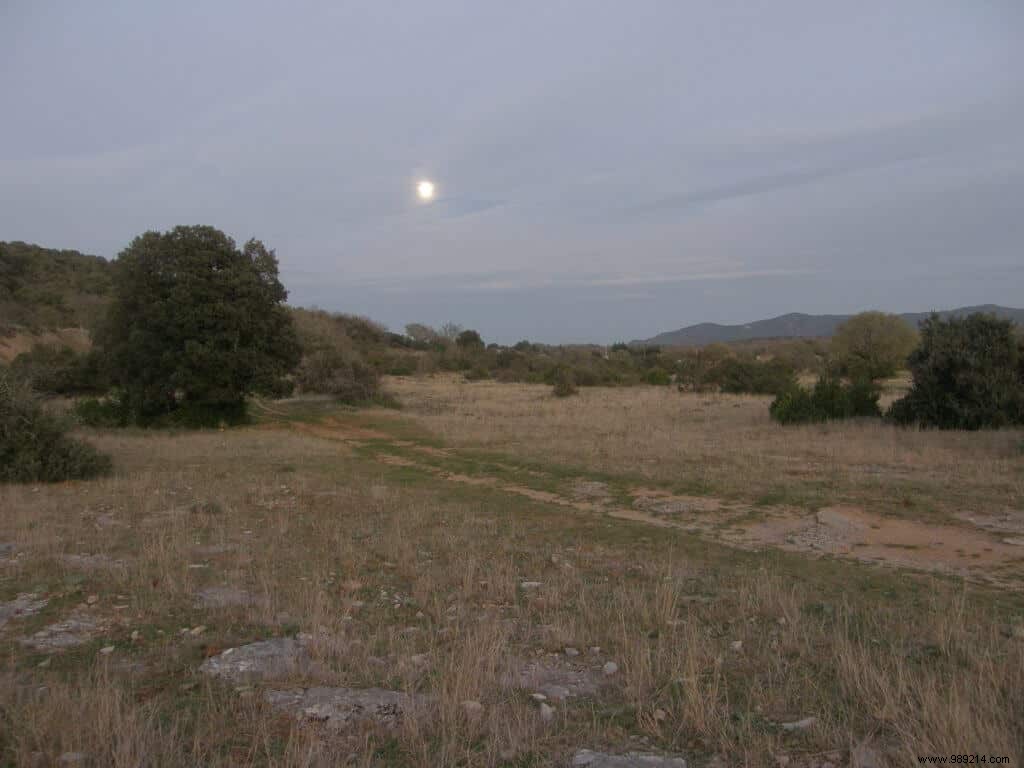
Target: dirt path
976,550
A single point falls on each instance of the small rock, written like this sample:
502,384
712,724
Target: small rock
107,650
197,631
472,708
865,756
92,599
45,662
538,697
547,713
595,649
799,725
572,652
585,758
73,758
530,585
736,645
660,715
420,659
610,668
136,636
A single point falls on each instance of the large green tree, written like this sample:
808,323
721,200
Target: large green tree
967,374
196,324
873,345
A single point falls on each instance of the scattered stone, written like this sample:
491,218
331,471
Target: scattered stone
538,697
554,678
420,659
571,652
865,756
530,584
222,597
91,562
136,636
736,645
660,715
107,650
45,662
338,707
73,758
610,668
588,759
273,659
799,725
1014,541
92,599
25,604
74,630
197,631
547,712
595,649
592,490
472,708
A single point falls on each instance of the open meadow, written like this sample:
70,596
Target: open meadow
495,577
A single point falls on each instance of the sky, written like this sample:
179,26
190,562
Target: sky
604,170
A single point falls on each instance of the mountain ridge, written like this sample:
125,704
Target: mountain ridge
795,325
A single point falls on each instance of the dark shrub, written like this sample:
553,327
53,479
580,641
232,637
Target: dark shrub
753,376
966,373
56,370
658,377
34,446
564,384
477,373
831,399
339,372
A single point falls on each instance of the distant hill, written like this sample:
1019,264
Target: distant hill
43,288
797,325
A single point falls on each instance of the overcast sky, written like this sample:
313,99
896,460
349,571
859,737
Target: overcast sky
604,170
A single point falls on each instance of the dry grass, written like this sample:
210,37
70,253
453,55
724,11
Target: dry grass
382,565
727,445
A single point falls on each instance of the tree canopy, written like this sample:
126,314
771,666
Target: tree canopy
872,345
967,374
196,324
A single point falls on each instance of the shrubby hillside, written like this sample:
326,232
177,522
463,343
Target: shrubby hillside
44,288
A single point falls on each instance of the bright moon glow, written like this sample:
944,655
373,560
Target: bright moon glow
425,189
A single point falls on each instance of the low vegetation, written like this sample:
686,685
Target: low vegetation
35,445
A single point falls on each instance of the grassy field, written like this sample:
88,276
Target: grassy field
462,545
728,446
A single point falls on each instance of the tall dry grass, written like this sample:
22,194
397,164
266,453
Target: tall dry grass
403,585
727,445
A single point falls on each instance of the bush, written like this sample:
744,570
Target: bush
830,400
477,373
339,372
96,412
753,376
564,385
967,374
56,370
34,446
658,377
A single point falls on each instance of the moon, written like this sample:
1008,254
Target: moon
425,190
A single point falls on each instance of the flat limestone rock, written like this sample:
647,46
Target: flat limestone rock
25,604
223,597
338,707
98,562
275,659
76,629
588,759
556,679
